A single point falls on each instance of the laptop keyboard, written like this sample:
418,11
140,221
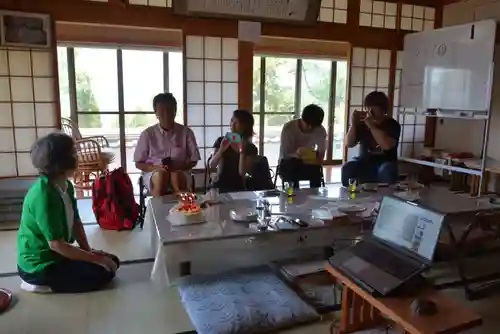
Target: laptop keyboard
384,259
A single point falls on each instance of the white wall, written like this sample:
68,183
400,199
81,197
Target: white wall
466,135
493,150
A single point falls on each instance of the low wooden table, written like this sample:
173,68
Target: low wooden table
220,244
361,311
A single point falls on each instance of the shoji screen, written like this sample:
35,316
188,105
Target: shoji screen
369,71
27,106
377,14
211,65
333,11
417,18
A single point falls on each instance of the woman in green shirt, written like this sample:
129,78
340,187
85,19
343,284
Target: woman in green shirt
48,260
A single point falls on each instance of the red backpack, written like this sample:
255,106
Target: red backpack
113,201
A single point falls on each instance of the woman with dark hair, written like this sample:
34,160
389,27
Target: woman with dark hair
47,259
234,160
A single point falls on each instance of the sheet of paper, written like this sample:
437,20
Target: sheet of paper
321,198
305,268
249,31
248,195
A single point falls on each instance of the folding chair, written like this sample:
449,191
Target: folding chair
283,180
207,177
145,193
261,176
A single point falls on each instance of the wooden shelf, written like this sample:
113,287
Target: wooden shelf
476,117
442,166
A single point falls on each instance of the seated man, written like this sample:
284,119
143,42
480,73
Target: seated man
378,137
167,150
303,145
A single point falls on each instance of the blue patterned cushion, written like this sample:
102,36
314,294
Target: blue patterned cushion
253,301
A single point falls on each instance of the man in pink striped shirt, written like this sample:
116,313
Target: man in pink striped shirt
167,150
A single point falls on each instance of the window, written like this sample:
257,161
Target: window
417,18
112,91
333,11
154,3
140,85
283,86
96,89
377,14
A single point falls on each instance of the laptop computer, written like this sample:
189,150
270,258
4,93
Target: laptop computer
400,248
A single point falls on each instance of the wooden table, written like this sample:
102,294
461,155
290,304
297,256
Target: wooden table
361,311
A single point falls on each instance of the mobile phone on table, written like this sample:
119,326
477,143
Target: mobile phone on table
233,137
283,223
299,222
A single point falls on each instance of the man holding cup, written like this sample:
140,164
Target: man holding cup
378,137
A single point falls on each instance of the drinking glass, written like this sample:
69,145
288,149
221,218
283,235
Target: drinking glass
413,186
353,185
213,194
289,188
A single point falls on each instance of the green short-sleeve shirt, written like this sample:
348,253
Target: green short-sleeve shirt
43,219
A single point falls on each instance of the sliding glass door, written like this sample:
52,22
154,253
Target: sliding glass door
283,86
109,91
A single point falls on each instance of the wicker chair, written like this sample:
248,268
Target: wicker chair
93,161
92,164
71,129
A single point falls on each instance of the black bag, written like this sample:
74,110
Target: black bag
260,178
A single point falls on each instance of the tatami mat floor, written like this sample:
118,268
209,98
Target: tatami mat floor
134,304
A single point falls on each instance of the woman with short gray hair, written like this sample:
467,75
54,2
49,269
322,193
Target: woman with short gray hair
47,259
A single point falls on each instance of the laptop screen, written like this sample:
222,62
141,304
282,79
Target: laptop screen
409,226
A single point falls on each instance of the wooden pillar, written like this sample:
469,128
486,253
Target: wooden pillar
245,75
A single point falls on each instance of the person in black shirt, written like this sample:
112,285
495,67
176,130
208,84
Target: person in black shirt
234,160
378,137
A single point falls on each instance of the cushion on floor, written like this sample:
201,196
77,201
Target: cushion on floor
249,301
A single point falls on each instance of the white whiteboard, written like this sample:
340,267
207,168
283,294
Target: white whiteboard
449,68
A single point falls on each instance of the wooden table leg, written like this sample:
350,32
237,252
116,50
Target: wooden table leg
357,314
484,189
474,185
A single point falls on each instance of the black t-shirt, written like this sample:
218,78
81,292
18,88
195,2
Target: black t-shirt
228,178
369,149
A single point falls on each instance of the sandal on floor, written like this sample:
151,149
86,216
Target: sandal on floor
5,299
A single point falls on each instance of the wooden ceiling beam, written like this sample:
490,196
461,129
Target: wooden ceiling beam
427,3
449,2
119,13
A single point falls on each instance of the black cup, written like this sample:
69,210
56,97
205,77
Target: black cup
166,161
